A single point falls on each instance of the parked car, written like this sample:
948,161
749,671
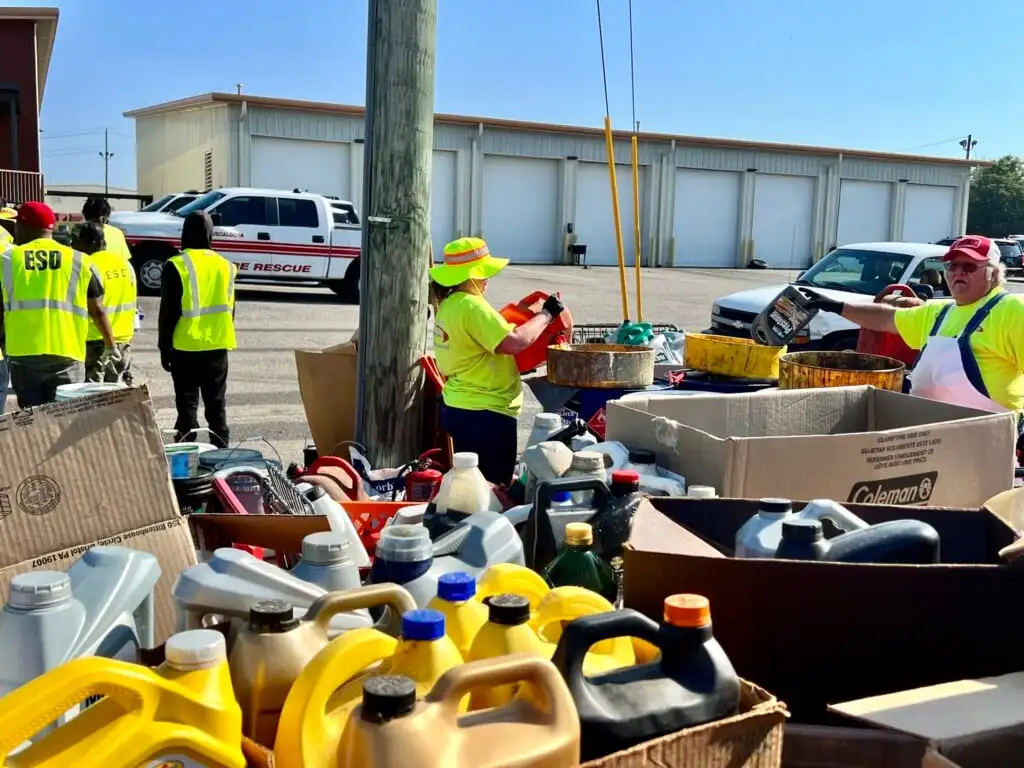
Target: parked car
853,274
1011,253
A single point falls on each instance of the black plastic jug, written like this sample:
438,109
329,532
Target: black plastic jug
613,521
801,540
539,543
906,542
780,322
693,681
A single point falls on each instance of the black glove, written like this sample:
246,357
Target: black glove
823,303
165,362
554,306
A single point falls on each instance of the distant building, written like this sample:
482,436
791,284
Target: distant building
69,207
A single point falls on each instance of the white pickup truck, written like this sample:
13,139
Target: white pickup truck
270,234
852,273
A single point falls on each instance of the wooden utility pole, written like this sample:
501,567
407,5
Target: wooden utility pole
393,291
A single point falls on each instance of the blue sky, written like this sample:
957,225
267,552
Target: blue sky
895,75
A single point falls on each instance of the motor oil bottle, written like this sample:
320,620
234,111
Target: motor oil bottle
328,689
565,604
183,713
463,616
576,565
691,683
325,562
801,540
508,578
404,556
507,631
780,322
475,544
391,729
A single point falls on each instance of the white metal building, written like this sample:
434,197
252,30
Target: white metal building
522,186
71,205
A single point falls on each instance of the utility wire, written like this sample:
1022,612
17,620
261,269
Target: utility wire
604,70
933,144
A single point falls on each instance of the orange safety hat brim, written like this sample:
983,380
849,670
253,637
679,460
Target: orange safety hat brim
467,258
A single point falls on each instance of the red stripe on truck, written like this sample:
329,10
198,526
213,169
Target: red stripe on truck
233,245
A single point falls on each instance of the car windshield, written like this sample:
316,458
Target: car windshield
179,203
156,205
200,203
1009,250
857,271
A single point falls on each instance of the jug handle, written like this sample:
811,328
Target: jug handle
338,463
52,694
328,606
454,684
563,610
581,634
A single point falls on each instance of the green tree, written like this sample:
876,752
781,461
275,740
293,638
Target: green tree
997,198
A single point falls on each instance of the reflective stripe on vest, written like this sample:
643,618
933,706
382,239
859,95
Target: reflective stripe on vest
205,326
119,295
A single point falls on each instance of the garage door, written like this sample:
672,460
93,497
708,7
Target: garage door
521,209
594,222
442,201
783,220
706,218
319,166
865,210
928,213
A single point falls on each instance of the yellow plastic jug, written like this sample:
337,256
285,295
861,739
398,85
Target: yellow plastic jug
390,729
508,578
270,653
562,605
329,688
463,616
183,711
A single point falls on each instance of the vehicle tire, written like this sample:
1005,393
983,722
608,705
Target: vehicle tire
347,289
149,264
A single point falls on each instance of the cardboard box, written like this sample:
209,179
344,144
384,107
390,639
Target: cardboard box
86,472
750,739
857,444
819,633
328,384
820,746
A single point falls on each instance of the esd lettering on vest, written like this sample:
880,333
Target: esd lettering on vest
40,260
115,274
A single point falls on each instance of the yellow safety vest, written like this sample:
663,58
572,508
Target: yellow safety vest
119,296
6,238
207,301
46,309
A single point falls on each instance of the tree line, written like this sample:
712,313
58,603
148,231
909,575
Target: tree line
997,198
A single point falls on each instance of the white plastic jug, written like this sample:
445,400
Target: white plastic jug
616,455
545,461
477,543
761,534
464,488
326,562
544,426
404,556
232,580
586,464
340,522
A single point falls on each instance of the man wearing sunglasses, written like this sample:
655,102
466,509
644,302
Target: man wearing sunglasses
972,348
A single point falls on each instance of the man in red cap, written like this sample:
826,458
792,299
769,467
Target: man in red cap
972,348
50,292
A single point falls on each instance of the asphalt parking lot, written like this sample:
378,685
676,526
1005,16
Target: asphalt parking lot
272,321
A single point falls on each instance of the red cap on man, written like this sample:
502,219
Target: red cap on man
36,216
974,248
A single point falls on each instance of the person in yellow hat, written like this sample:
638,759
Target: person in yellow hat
475,349
8,215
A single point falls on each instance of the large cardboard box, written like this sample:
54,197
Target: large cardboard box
87,472
819,633
328,386
857,444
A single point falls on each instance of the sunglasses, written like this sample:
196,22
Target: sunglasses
967,267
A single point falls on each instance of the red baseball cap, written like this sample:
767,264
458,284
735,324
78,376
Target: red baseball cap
975,248
37,215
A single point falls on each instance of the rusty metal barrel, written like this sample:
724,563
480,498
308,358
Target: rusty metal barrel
808,370
601,366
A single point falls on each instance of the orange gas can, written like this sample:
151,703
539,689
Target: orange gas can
887,344
559,332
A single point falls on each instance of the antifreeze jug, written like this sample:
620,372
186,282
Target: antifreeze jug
326,562
908,542
505,578
325,693
693,682
183,713
475,543
233,580
391,729
801,540
575,564
761,535
463,616
464,488
404,556
565,604
340,522
103,606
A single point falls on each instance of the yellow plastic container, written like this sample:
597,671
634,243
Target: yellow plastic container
562,605
809,370
507,578
183,711
330,687
728,356
463,616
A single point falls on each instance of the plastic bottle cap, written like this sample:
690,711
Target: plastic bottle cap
579,534
687,611
641,456
701,492
456,586
775,506
799,529
547,421
508,609
625,481
405,544
315,493
423,624
195,649
560,497
386,697
272,616
325,548
40,589
465,460
588,461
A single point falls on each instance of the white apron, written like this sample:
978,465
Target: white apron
939,373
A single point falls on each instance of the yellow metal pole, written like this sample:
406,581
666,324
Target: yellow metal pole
610,145
637,246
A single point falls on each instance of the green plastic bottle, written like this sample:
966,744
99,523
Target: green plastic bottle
576,565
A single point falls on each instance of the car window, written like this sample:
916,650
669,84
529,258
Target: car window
243,210
201,203
1010,250
156,205
294,212
344,214
858,271
929,272
181,202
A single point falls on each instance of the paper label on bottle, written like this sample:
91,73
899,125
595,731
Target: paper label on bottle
175,761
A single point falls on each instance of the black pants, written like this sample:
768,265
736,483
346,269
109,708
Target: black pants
206,374
35,379
491,436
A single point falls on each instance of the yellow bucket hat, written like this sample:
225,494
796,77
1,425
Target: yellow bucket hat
8,213
467,258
